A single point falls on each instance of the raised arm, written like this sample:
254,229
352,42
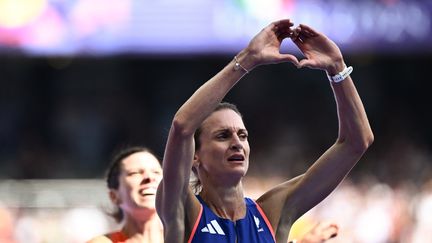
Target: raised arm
288,201
176,203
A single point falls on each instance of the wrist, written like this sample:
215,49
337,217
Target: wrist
336,68
246,59
341,76
238,66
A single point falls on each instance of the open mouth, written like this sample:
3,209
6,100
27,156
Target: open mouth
236,158
147,192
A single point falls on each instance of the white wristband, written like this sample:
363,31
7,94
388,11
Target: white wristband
340,76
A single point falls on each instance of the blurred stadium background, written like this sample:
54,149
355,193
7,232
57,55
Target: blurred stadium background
82,78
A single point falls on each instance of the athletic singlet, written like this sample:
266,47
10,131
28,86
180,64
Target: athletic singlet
117,237
253,228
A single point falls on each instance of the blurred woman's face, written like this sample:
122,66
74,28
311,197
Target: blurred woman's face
224,150
140,176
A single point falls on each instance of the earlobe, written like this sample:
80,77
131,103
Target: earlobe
114,197
195,159
195,164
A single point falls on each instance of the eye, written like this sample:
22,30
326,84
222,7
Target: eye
222,136
157,172
131,173
243,135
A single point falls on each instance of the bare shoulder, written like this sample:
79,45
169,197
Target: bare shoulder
278,194
100,239
279,202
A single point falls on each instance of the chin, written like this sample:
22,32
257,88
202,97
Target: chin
147,206
238,172
239,168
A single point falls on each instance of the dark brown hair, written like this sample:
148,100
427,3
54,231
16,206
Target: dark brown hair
220,106
194,181
113,173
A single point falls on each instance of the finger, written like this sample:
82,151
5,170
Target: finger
283,22
329,231
288,58
295,32
281,25
275,26
303,37
308,30
298,41
307,33
320,226
284,34
307,63
295,35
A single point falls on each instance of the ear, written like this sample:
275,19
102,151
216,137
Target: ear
195,158
195,161
114,196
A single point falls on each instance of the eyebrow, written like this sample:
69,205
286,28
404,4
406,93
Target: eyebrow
140,168
229,129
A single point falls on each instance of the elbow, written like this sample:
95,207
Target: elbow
370,139
361,144
364,142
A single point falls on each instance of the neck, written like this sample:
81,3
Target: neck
226,202
148,229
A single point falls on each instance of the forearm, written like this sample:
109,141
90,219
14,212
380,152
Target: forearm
354,127
330,169
322,53
200,105
179,150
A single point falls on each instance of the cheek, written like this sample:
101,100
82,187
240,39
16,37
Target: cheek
213,149
158,178
211,156
219,150
247,148
129,184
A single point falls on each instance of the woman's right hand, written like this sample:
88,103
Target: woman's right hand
320,233
264,48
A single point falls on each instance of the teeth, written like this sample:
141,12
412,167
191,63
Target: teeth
145,192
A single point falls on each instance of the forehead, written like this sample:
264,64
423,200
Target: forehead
223,119
142,160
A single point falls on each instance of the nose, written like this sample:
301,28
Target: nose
147,178
236,143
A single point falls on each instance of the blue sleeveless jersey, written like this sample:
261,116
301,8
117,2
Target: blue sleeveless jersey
253,228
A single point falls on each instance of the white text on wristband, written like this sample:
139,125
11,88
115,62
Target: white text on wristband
340,76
